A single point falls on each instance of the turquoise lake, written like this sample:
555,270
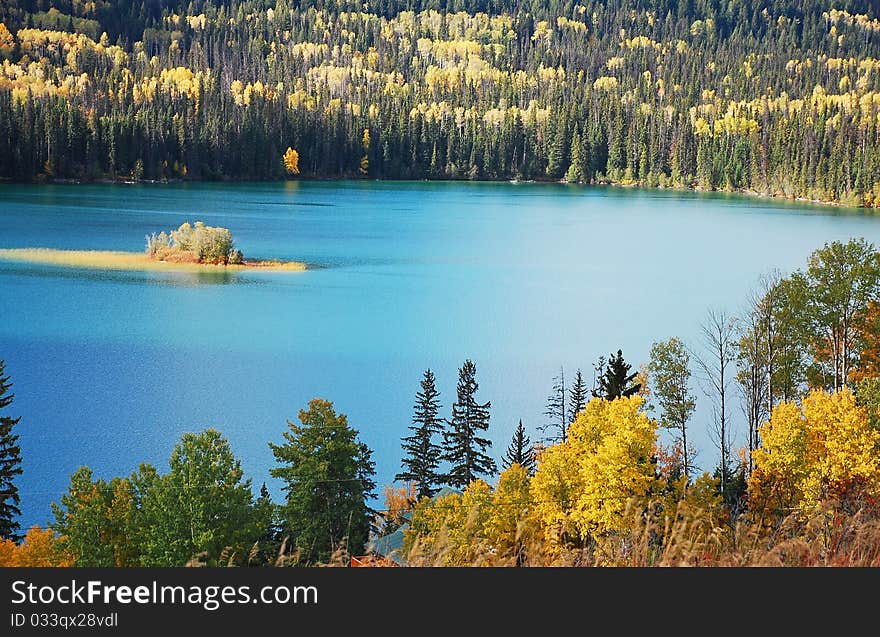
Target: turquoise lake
110,368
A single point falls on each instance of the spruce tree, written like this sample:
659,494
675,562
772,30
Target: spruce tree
615,380
577,170
556,153
10,464
577,396
422,459
463,448
520,451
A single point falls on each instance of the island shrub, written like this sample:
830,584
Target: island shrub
195,244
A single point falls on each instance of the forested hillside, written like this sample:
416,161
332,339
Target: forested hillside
776,96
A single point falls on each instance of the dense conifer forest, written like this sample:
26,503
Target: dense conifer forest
777,97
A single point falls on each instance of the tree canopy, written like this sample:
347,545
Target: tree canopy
328,478
777,97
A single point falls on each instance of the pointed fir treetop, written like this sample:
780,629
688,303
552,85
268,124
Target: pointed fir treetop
421,459
463,448
615,380
521,451
577,396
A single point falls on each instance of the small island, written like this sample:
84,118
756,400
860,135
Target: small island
190,248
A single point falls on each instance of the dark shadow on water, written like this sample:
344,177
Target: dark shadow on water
297,204
161,279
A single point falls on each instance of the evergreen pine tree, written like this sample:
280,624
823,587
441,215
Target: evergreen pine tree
598,152
577,170
520,451
577,396
10,464
617,148
464,449
422,454
556,154
615,380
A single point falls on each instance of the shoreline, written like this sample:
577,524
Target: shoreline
135,261
749,193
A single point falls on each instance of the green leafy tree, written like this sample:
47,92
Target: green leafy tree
788,339
615,379
868,395
202,509
422,459
10,463
328,479
97,521
464,449
520,451
842,280
669,367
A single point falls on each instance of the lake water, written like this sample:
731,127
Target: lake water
110,368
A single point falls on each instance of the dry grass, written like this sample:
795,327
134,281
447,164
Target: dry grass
691,538
134,261
686,537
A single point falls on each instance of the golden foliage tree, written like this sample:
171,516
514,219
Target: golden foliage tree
868,338
480,526
40,547
510,527
96,519
583,486
823,450
399,503
364,166
7,41
291,161
448,530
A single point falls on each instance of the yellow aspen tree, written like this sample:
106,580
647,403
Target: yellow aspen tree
556,486
291,161
510,527
8,552
364,167
7,41
39,548
466,536
448,530
399,503
824,449
429,526
583,486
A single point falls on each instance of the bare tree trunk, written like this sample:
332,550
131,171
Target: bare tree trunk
718,337
684,445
